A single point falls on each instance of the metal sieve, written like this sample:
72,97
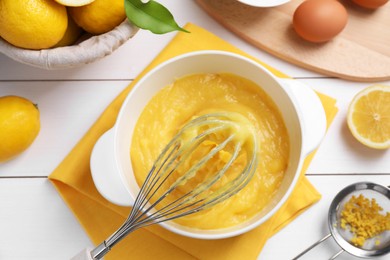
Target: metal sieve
342,236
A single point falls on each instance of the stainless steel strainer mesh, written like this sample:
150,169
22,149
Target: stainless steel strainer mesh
376,246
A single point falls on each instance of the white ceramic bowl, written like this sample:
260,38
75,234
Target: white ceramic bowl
300,107
87,51
263,3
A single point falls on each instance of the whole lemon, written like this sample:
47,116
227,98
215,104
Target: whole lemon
32,24
100,16
72,34
19,126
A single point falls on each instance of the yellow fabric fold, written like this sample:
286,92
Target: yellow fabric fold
100,218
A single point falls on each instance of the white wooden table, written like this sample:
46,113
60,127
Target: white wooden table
36,224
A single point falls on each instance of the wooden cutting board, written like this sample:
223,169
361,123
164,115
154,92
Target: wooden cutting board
361,52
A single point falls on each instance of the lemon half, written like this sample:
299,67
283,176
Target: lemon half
369,117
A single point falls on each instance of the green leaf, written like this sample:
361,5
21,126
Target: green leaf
151,16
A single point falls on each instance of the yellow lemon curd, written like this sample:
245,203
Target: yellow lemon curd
195,95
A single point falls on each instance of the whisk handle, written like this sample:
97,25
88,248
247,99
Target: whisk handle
92,254
85,254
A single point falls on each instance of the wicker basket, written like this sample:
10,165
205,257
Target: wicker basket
87,51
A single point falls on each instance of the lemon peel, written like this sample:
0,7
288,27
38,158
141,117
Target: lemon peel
19,126
100,16
72,34
33,24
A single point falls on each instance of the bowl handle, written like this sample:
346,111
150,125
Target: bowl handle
105,173
311,112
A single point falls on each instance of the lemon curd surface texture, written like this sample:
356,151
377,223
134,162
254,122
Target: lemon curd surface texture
199,94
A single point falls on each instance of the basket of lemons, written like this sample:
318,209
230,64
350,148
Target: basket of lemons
58,34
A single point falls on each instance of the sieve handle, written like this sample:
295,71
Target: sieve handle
312,246
337,254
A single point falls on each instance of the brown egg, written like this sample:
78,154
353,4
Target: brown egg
319,20
371,4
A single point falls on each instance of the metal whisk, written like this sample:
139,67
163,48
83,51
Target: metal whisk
171,171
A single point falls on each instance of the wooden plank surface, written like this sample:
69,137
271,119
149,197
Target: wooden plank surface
361,52
69,107
36,224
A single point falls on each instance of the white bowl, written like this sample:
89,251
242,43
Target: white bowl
263,3
300,107
87,51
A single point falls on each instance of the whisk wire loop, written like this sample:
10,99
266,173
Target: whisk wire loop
150,206
181,203
149,186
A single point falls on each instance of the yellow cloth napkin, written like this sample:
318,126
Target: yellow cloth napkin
100,219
